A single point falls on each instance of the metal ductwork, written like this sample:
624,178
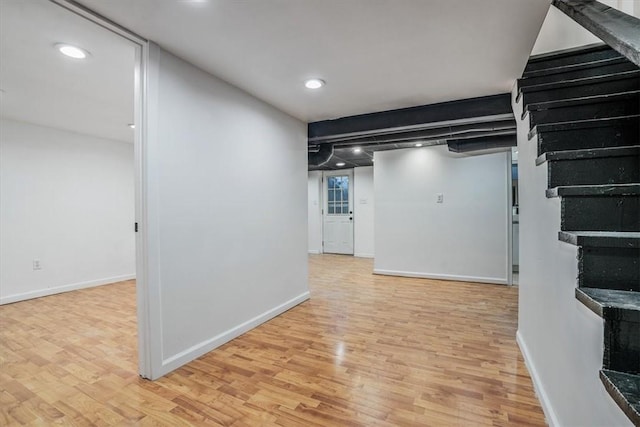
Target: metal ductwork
483,143
471,124
320,154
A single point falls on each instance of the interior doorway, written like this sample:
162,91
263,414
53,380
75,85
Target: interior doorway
337,212
71,110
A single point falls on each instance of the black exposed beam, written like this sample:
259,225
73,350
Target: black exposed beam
615,28
442,112
482,143
445,132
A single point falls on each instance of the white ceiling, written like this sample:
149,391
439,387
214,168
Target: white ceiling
41,86
374,54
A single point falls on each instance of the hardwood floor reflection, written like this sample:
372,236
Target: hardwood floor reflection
365,350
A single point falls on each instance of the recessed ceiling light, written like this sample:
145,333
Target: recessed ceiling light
340,164
72,51
314,83
357,150
419,144
131,125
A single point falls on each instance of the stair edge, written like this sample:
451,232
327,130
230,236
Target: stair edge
627,407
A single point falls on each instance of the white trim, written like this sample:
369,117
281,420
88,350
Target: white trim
314,251
545,402
206,346
65,288
509,219
100,20
457,278
363,255
150,309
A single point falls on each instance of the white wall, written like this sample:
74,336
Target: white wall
363,207
464,238
561,340
314,191
227,215
630,7
561,32
67,200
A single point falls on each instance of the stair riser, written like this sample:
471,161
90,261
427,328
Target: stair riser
622,346
599,110
600,213
571,60
613,86
601,137
609,268
606,170
577,74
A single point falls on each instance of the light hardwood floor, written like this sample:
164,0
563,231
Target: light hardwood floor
365,350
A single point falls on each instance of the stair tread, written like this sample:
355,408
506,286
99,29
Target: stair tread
582,124
625,390
594,190
626,303
579,50
605,239
574,67
562,103
588,153
580,81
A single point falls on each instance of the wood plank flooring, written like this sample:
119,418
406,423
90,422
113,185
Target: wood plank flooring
366,350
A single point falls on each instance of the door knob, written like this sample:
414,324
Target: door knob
350,218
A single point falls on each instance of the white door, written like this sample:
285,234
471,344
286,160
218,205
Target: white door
338,212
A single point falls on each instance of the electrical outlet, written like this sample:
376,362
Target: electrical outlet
37,265
439,198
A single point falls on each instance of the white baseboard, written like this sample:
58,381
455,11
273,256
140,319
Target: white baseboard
64,288
363,255
547,408
314,251
492,280
206,346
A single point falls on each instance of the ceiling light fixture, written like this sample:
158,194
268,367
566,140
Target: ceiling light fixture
72,51
357,150
340,164
419,144
131,125
314,83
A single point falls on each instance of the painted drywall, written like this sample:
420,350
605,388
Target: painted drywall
561,32
227,216
561,340
363,207
630,7
463,238
67,200
314,207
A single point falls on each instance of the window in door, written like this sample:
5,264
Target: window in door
338,195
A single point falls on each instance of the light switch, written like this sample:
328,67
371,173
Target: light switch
363,201
439,198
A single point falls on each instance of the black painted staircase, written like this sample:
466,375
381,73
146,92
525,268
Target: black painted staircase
584,107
